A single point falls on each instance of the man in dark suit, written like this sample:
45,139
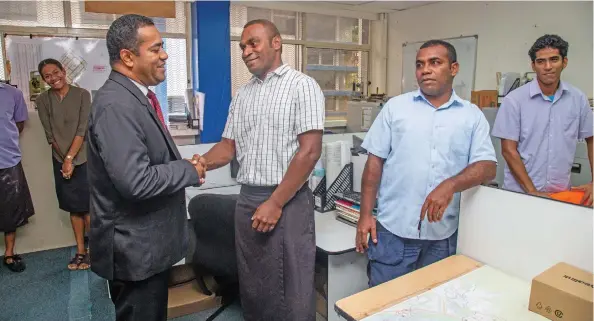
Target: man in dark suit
137,176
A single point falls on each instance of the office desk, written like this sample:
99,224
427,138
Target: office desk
335,242
346,269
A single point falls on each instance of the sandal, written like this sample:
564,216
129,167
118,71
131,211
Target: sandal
17,264
77,261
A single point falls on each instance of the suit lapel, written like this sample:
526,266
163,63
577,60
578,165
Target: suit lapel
165,133
127,83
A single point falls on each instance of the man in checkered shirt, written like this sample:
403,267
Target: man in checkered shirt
274,127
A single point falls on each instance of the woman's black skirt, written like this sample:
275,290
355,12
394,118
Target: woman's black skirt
16,205
73,194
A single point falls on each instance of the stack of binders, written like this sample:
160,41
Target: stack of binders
348,207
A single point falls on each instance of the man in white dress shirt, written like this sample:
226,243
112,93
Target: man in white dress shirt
275,127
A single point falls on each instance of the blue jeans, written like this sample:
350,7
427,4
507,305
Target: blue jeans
394,256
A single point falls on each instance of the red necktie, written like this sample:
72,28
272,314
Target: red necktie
155,102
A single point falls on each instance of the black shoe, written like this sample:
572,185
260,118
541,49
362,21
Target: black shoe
17,264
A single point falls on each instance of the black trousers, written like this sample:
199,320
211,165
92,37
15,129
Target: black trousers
144,300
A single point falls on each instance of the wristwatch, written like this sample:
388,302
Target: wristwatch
69,157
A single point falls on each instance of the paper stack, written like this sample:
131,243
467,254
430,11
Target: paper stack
178,118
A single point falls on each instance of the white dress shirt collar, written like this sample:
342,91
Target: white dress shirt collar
142,88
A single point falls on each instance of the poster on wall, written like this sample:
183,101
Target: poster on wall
86,62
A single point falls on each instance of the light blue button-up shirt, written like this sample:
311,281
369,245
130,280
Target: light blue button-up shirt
13,109
547,132
423,146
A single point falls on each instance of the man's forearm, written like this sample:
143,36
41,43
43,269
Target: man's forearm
518,171
297,173
473,175
372,175
220,154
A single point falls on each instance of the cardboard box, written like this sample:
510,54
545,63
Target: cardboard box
562,293
484,98
187,298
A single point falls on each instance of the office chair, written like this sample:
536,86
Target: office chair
212,220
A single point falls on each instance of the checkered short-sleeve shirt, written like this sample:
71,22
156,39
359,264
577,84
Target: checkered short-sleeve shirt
265,119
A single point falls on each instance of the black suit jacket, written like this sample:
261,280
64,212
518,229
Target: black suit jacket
137,178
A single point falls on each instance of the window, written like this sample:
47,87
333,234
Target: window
32,13
285,21
341,74
240,75
176,82
336,29
172,93
23,11
82,19
335,51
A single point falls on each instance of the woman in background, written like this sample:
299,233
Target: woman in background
64,111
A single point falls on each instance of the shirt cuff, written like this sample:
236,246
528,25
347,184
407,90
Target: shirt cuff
483,158
375,152
307,128
225,135
194,177
505,136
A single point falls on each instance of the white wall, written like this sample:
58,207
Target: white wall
506,31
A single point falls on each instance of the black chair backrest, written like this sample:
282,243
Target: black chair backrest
212,219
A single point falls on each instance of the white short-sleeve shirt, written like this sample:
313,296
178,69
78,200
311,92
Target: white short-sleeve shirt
265,118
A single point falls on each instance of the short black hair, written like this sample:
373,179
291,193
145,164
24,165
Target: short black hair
549,41
452,56
49,61
269,25
123,34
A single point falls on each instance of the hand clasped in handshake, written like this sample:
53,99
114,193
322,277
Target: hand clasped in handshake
199,164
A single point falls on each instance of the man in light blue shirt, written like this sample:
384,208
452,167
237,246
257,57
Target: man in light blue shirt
540,124
16,206
425,147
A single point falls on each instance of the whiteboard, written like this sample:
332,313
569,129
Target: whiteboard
85,60
464,80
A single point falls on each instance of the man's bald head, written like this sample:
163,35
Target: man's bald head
270,27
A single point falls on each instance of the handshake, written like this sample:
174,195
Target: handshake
199,164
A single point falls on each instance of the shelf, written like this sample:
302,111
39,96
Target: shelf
183,132
334,123
331,68
337,93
